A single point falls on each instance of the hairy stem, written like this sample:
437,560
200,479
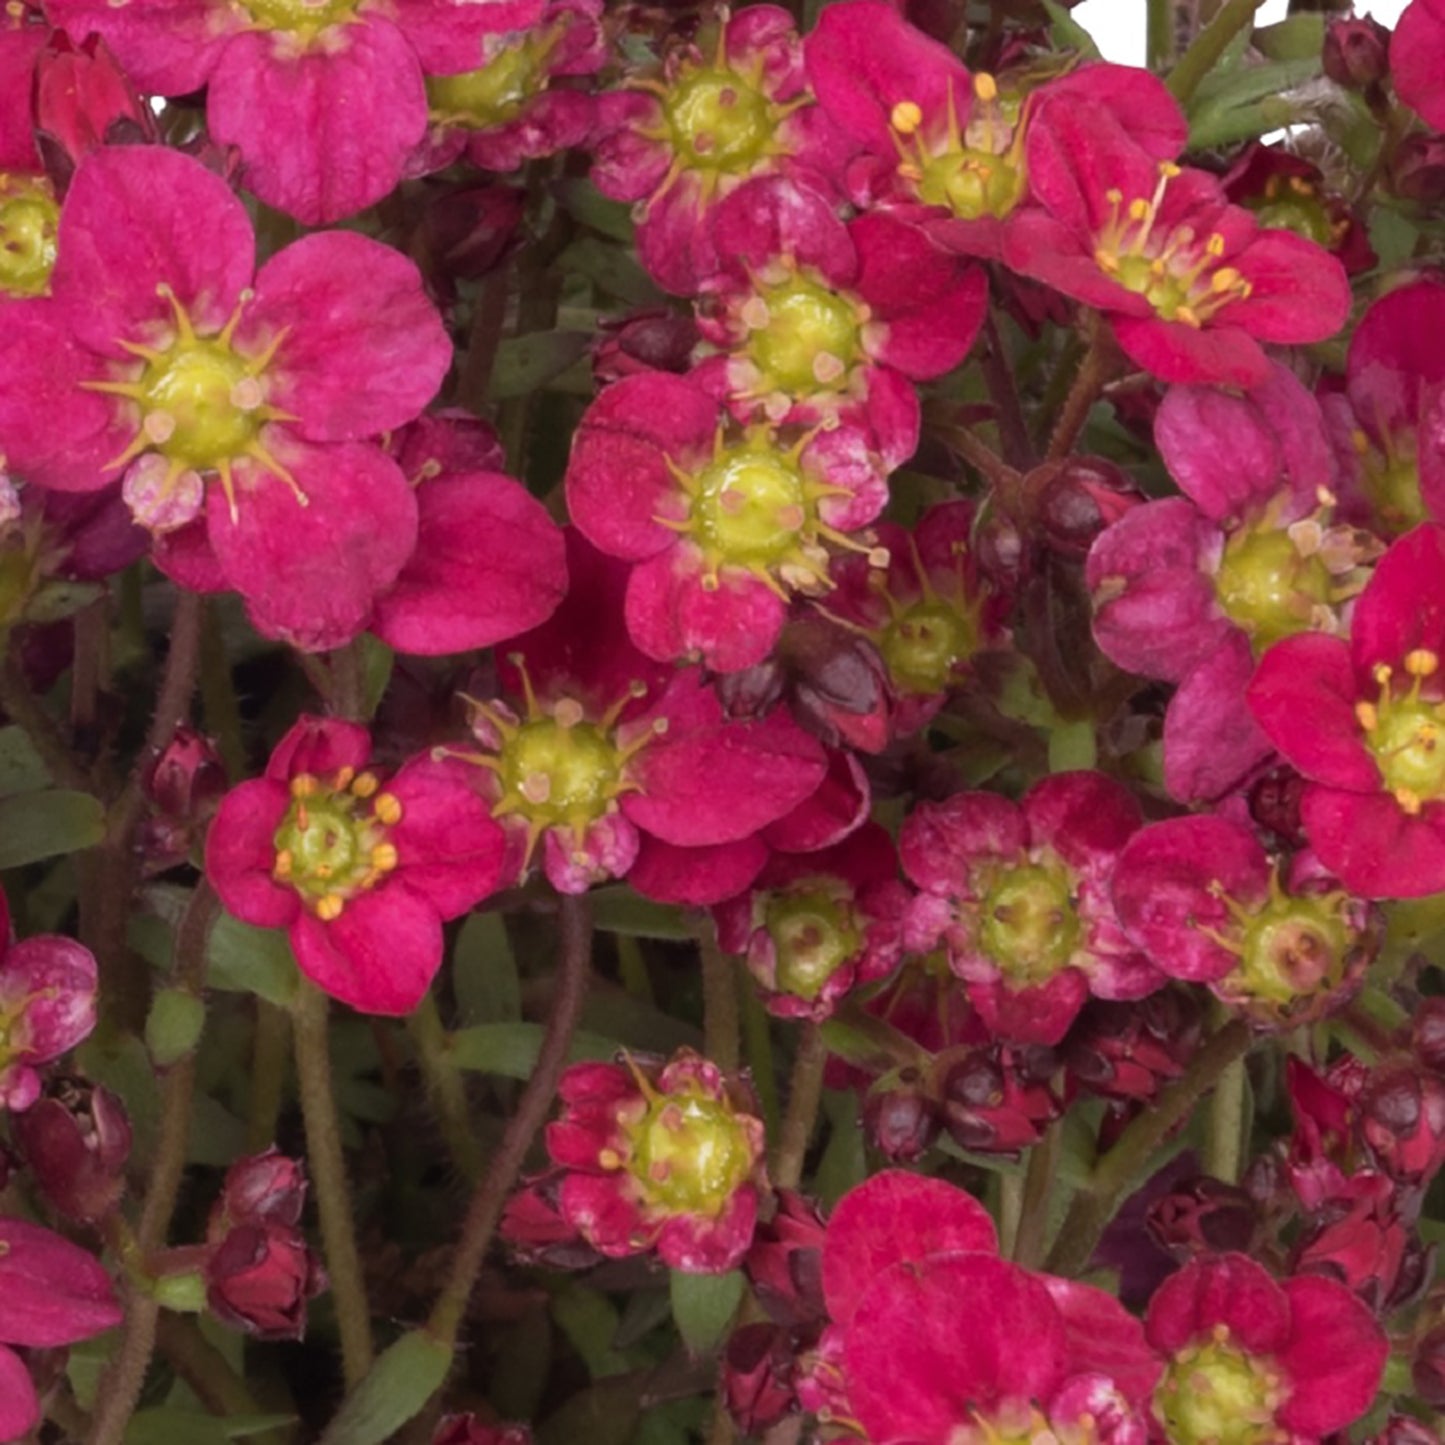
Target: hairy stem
1123,1167
1159,46
804,1095
1208,46
445,1088
328,1174
485,1209
1095,371
721,1020
1224,1146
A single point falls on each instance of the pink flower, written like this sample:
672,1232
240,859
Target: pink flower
507,111
55,1294
948,149
1191,284
360,869
47,1007
619,767
722,528
817,318
1018,894
29,211
1303,1358
731,104
814,926
1417,60
666,1159
1204,901
244,401
1361,721
286,86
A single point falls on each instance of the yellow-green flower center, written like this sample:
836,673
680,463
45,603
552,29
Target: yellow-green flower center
1392,478
1215,1394
1406,731
690,1153
805,338
1269,586
29,219
332,843
924,643
1292,203
814,933
719,120
1027,922
496,92
303,18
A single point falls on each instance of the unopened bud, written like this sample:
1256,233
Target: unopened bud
1357,52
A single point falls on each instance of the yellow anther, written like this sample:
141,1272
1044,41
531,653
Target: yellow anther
384,857
609,1159
388,808
905,117
1168,170
1422,662
1138,209
364,784
1409,800
1215,245
303,785
1368,715
1359,441
1113,195
281,868
985,87
344,777
1382,672
328,909
1224,279
1187,316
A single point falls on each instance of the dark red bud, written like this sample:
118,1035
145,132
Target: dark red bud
188,778
758,1369
784,1265
1427,1370
1417,168
1402,1119
259,1279
1076,499
1274,804
465,233
262,1188
1357,52
658,340
83,100
1203,1216
901,1116
468,1430
1402,1430
76,1141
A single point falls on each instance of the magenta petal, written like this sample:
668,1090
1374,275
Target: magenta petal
310,574
599,1211
319,745
1228,1289
489,564
1373,846
1104,1338
1402,607
1173,351
188,559
364,348
771,216
832,813
139,217
921,1354
672,616
1298,291
1211,740
241,852
444,33
1335,1358
49,981
379,956
695,876
55,1293
1042,1014
19,46
1303,697
695,1244
939,840
450,848
896,1218
295,117
1084,816
1417,61
19,1405
168,47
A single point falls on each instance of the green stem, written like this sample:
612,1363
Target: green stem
804,1095
1124,1166
445,1087
1010,1211
1208,46
998,375
348,683
1095,371
758,1045
269,1047
1159,48
328,1173
120,1386
721,1023
485,1209
220,708
1224,1147
1031,1238
205,1369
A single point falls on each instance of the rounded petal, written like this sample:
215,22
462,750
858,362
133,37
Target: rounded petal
324,131
896,1218
772,216
55,1293
1335,1358
1226,1289
449,847
311,574
1104,1338
939,841
167,47
1373,846
1172,351
696,877
489,564
1085,817
1417,62
364,349
319,745
1299,292
50,981
241,852
695,1244
446,36
379,956
19,1405
141,217
1402,607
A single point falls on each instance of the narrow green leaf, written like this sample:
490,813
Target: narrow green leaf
511,1049
174,1026
58,599
584,202
43,825
1219,128
1228,90
377,660
612,268
21,767
238,1427
1068,34
589,1320
484,971
1301,37
243,959
526,363
703,1306
869,1043
168,1425
404,1377
620,910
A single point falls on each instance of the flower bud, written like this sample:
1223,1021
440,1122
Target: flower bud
901,1116
259,1278
262,1188
1417,168
1274,803
183,785
656,340
1402,1120
1128,1051
465,232
840,686
1075,499
1402,1430
1357,52
76,1141
1427,1369
758,1369
996,1100
83,100
533,1226
784,1265
468,1430
1203,1216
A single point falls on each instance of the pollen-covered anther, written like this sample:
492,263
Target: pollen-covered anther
1422,662
905,117
329,908
387,808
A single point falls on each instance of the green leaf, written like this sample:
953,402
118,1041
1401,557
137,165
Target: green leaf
619,910
584,202
526,363
589,1320
870,1043
1221,128
703,1306
239,1427
484,971
1301,37
404,1377
243,959
376,664
1229,90
174,1026
55,600
168,1425
605,1414
843,1163
21,767
613,269
511,1049
1068,34
45,824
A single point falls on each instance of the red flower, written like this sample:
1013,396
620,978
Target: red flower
659,1158
360,869
1190,283
1361,720
1241,1351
